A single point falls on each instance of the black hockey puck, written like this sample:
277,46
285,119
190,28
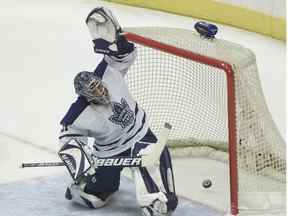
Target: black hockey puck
207,183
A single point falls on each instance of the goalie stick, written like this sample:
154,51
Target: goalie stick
144,160
42,164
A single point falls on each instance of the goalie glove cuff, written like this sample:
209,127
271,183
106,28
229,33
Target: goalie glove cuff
119,49
104,47
124,46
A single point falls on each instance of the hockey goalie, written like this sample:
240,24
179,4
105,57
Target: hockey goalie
106,112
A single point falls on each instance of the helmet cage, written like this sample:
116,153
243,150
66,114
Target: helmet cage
93,98
86,84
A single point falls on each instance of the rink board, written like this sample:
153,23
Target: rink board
45,196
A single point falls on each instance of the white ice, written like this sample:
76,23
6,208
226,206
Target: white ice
49,192
43,44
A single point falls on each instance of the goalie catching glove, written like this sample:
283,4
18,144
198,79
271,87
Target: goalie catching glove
106,33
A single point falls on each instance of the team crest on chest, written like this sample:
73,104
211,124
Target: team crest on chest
122,114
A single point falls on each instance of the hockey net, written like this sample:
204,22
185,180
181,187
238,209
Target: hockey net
209,90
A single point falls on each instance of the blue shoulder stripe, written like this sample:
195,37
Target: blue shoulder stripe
100,69
74,111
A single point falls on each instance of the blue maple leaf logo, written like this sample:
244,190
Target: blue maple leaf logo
122,114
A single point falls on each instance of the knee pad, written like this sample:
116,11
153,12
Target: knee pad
95,190
77,194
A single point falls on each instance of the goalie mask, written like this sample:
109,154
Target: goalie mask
91,87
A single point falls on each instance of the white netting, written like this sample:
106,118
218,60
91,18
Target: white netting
192,96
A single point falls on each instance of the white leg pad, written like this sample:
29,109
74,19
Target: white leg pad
157,208
148,199
152,204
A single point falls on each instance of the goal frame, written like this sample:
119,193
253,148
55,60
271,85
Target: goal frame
231,102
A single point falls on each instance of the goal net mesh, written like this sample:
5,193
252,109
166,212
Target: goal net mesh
192,97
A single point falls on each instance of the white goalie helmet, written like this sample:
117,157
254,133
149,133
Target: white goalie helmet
88,85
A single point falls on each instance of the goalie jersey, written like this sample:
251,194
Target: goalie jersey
115,127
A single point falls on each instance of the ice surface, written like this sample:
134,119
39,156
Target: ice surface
45,196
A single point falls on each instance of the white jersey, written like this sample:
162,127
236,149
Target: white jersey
115,127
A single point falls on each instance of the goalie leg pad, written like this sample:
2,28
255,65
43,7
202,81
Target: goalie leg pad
94,191
167,178
148,139
155,187
76,193
157,208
